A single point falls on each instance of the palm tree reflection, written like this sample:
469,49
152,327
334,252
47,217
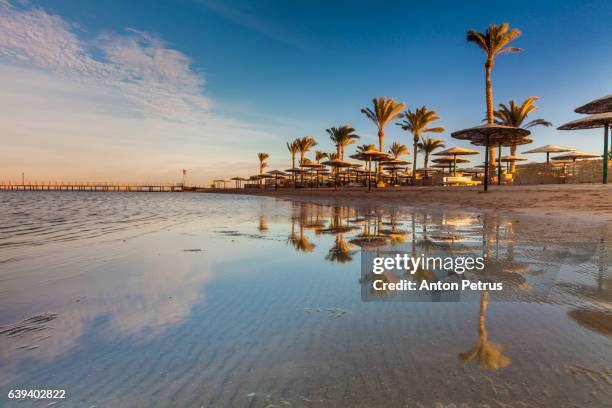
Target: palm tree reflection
487,353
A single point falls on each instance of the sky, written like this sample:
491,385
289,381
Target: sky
137,91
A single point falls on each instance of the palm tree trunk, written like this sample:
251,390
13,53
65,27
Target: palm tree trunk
301,166
414,146
482,316
512,164
489,95
381,139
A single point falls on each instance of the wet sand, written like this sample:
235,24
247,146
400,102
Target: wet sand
583,201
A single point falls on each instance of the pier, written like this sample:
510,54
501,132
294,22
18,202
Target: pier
92,186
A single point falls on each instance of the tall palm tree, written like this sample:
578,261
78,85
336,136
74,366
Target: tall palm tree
427,146
304,145
385,111
293,149
514,115
262,162
320,155
342,136
397,149
488,354
494,41
417,123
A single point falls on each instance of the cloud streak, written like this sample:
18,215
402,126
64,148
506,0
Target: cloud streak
156,79
254,23
115,106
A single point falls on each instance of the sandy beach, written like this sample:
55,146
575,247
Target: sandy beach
589,202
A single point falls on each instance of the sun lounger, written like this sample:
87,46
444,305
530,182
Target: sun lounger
460,181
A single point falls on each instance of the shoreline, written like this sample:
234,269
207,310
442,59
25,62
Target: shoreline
584,202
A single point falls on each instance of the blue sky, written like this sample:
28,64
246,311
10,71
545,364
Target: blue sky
138,90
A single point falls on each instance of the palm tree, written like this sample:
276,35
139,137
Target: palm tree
262,162
365,148
427,146
342,136
304,145
494,41
319,155
385,111
515,115
397,150
487,353
293,149
417,123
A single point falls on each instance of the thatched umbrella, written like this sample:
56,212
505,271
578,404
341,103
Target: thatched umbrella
601,105
456,151
370,155
511,159
294,171
337,164
440,166
504,143
276,174
548,149
393,165
490,134
316,167
238,180
427,170
575,155
592,122
450,161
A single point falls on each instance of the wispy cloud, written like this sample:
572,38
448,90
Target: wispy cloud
254,23
113,106
157,79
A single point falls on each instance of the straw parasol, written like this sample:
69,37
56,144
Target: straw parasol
507,143
490,134
337,164
592,122
442,166
277,174
370,155
316,167
238,180
548,149
511,159
450,161
393,165
575,155
601,105
427,170
456,151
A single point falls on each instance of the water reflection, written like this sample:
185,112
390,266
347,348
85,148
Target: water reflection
248,302
487,353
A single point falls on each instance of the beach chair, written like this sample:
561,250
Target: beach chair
459,181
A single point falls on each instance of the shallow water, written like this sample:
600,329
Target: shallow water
136,299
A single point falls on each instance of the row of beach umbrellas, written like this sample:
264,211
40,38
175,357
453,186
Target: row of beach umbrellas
487,135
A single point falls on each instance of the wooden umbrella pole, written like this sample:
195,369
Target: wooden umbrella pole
605,155
370,174
499,167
